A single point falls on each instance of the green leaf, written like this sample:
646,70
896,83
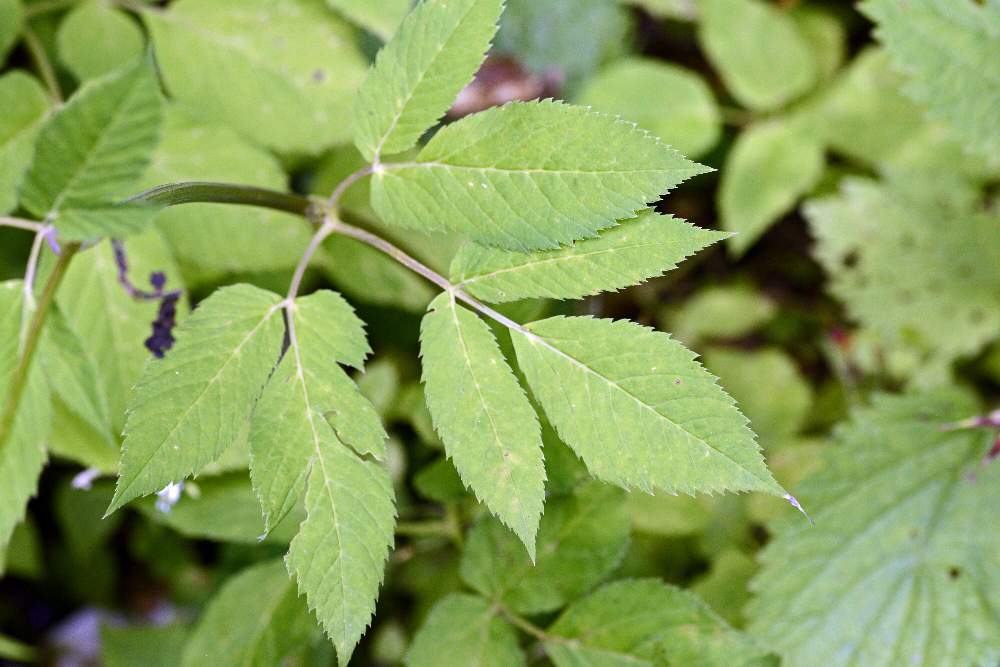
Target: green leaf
74,439
147,645
281,73
224,509
420,72
776,414
191,405
827,37
256,618
113,221
645,622
11,649
902,565
110,323
90,153
758,51
489,429
11,20
464,630
638,409
310,403
529,176
212,240
723,311
22,453
951,51
581,539
25,103
771,165
340,553
381,17
570,39
630,253
94,23
895,265
672,102
680,10
72,374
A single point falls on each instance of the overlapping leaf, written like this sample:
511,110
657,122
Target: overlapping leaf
633,251
94,22
193,404
464,630
256,618
91,153
281,73
952,52
420,72
11,19
489,428
902,566
638,408
529,176
25,104
381,17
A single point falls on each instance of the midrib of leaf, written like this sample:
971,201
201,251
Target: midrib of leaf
105,133
201,394
479,391
390,166
401,105
560,259
535,338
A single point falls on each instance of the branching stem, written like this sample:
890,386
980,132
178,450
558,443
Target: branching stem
42,63
18,223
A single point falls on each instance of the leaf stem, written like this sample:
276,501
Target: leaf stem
42,63
525,625
18,223
32,337
200,192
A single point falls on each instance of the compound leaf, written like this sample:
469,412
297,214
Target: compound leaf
641,622
193,404
90,153
473,632
311,403
903,564
638,408
635,250
280,72
489,429
255,619
420,72
581,539
529,176
951,50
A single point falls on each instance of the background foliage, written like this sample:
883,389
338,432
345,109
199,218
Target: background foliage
843,282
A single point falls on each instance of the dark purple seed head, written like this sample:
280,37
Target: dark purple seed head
162,338
158,279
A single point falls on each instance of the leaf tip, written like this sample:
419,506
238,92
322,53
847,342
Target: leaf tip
793,501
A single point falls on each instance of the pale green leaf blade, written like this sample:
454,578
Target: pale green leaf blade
380,17
638,408
94,149
72,373
489,429
95,38
770,166
310,404
113,325
11,20
903,564
672,102
25,104
281,73
146,645
80,223
420,72
22,453
464,630
250,238
680,10
721,311
529,176
340,553
641,622
255,619
634,251
894,266
758,51
951,51
581,539
193,404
